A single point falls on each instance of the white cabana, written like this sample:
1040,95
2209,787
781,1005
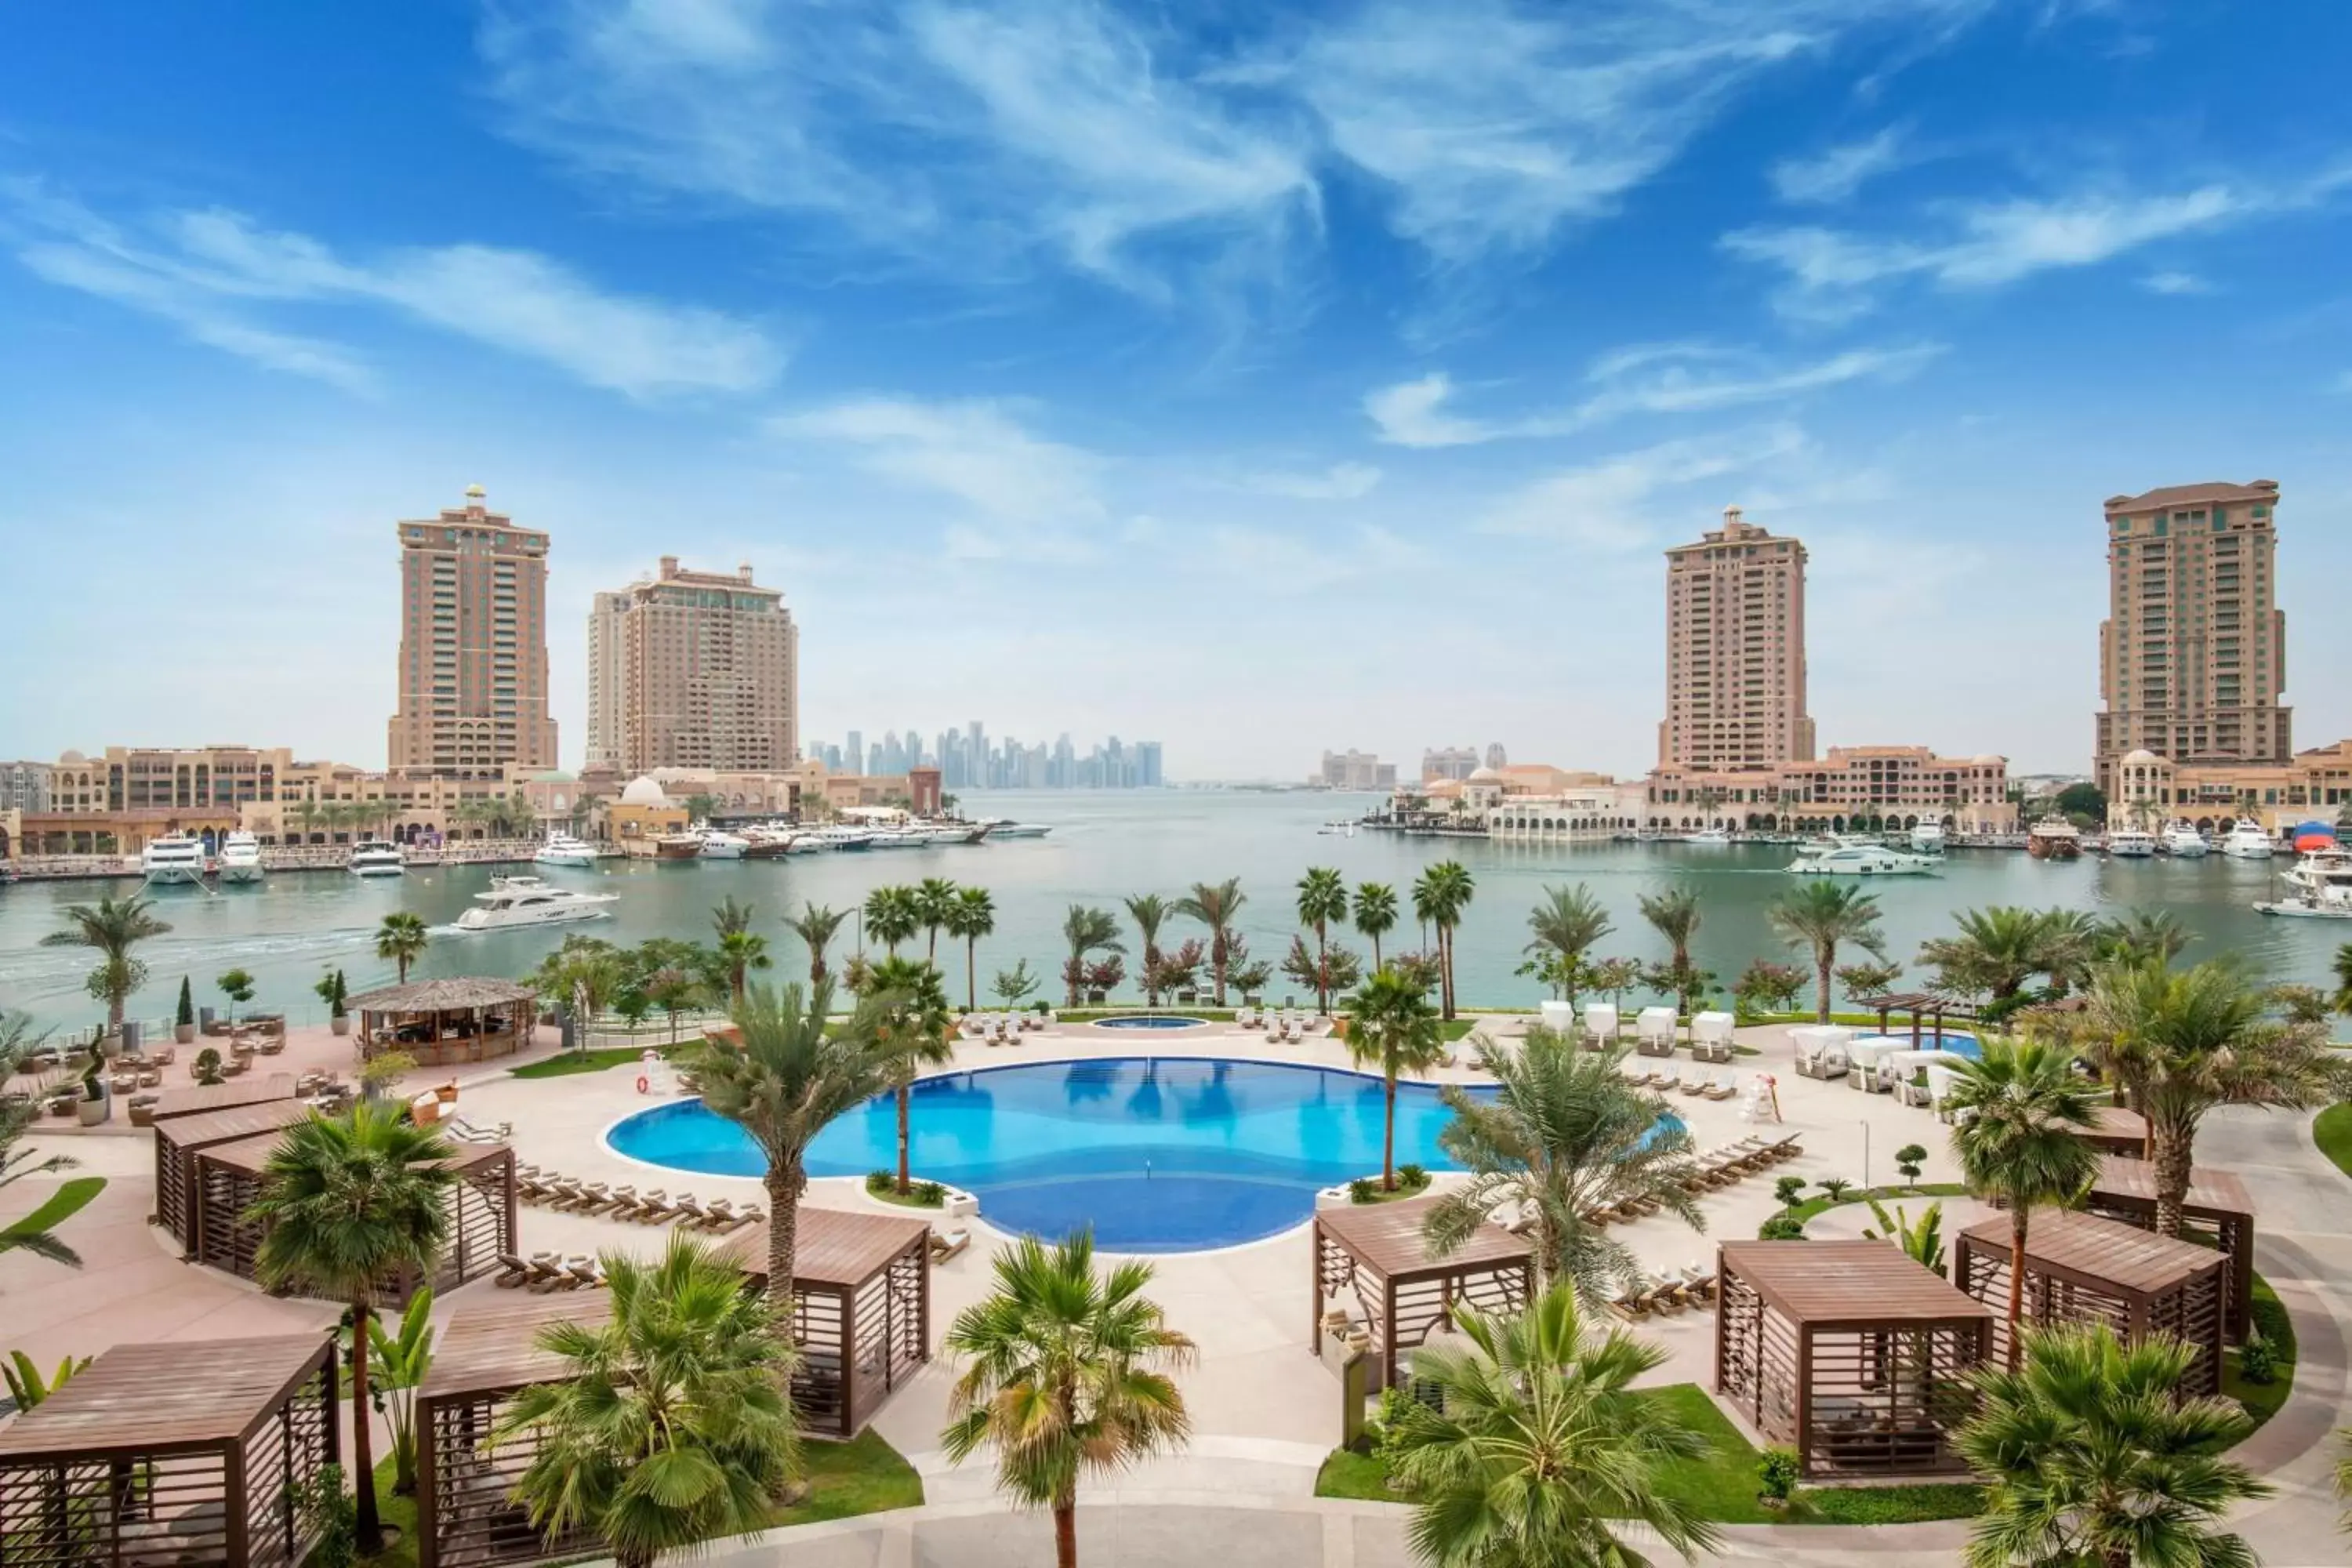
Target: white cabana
1559,1017
1865,1054
1600,1023
1711,1036
1894,1070
1655,1031
1812,1039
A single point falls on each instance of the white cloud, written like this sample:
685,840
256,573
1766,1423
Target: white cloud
976,452
1340,481
2175,283
1835,173
1601,505
1412,414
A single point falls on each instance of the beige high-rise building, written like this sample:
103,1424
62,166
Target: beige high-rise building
2192,655
694,670
473,646
1736,652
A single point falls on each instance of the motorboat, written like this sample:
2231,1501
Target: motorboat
2184,843
842,839
2053,838
951,832
241,858
1345,829
1716,836
2130,844
678,847
1851,857
2319,884
2248,841
722,846
766,841
515,901
898,839
175,859
1927,838
377,857
998,828
563,849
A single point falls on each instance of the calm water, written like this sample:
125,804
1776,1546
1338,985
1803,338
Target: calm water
1106,845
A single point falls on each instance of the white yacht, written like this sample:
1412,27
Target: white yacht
2130,843
949,832
563,849
1927,838
998,828
1718,837
377,857
240,858
2319,884
896,838
842,839
722,846
2247,840
2183,842
1851,857
531,901
174,857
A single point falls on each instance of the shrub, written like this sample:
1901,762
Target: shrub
1909,1159
2258,1360
1833,1187
930,1195
186,1016
325,1506
1363,1190
208,1066
1788,1190
880,1181
1412,1177
1781,1227
1775,1475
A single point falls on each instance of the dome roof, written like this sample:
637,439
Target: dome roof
2133,759
644,792
1485,775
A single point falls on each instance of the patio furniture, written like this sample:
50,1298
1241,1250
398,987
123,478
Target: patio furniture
1559,1018
1378,1256
1599,1025
1711,1036
1653,1031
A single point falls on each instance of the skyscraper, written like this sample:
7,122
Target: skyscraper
472,680
1736,652
604,611
853,757
700,669
2192,655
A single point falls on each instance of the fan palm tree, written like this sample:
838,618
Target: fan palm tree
113,929
934,899
2183,1042
1441,896
1087,931
1820,915
670,1425
1565,926
1067,1377
816,925
16,1042
1538,1449
970,918
2097,1457
2022,1110
1997,949
911,1029
1216,905
1149,911
401,939
784,1080
1566,1136
1376,914
891,917
1390,1024
1322,899
347,1202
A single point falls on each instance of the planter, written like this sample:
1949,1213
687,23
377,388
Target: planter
341,1025
184,1034
93,1112
445,1093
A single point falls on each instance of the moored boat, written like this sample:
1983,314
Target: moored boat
1851,857
2131,844
2319,886
563,849
241,858
175,859
2053,838
2248,841
377,857
2183,842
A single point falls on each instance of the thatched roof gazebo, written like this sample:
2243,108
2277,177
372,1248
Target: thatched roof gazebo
2079,1268
1849,1352
179,1138
172,1454
1378,1255
2218,1211
443,1021
862,1290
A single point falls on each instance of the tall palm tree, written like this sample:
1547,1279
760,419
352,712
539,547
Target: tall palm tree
1391,1025
741,949
891,917
1675,915
731,915
1066,1377
1441,896
401,939
970,918
113,929
1216,905
2143,934
934,898
1997,949
16,1042
1565,1136
1538,1449
670,1425
1149,911
816,925
784,1080
1820,915
2022,1110
911,1029
1322,899
2097,1457
2182,1042
1376,914
1566,924
347,1202
582,976
1087,931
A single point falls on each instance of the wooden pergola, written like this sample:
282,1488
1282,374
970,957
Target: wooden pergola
2118,1130
2079,1268
172,1103
443,1021
2218,1212
862,1308
1378,1253
179,1138
1848,1351
1928,1011
172,1454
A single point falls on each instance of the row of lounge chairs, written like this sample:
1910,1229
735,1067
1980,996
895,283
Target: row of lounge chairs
546,1272
601,1201
1667,1294
1698,1083
1710,1169
464,1132
1001,1028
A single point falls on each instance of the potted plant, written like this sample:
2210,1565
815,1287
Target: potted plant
94,1107
184,1023
208,1067
330,989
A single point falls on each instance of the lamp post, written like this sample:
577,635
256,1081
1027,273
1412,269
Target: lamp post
1865,1156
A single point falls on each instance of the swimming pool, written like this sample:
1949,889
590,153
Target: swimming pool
1150,1021
1159,1154
1956,1041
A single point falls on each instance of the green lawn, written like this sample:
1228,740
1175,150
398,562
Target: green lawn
2333,1132
1402,1192
397,1513
2262,1400
572,1062
1348,1474
1889,1197
71,1198
1452,1029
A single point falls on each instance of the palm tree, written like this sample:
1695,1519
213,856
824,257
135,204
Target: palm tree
1322,899
2143,934
2343,998
741,949
731,915
1565,1136
2022,1112
113,929
348,1202
891,917
1066,1377
1820,915
1566,924
1087,930
911,1029
1440,895
1390,1023
1675,915
1149,911
933,898
1376,914
1997,949
670,1425
816,925
2183,1042
581,977
2097,1457
16,1042
1216,905
401,939
784,1080
1538,1449
970,918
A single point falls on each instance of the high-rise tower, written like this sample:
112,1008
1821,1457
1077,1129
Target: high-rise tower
704,669
1736,652
473,646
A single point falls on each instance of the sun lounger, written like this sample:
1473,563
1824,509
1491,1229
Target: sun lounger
1664,1295
586,1271
1694,1080
1722,1086
1633,1304
1245,1016
601,1199
1699,1284
722,1218
947,1245
548,1273
513,1271
690,1209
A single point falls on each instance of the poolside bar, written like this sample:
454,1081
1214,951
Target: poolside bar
1377,1255
442,1023
2218,1212
2079,1268
862,1318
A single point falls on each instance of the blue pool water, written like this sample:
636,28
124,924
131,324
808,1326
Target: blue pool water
1159,1154
1953,1040
1150,1021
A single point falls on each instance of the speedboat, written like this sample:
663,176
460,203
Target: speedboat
1927,838
563,849
1717,836
177,858
1849,856
2320,885
2185,843
241,858
531,901
2247,840
2131,844
2053,838
998,828
719,846
376,857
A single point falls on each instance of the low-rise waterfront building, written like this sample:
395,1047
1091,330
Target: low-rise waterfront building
1854,787
2151,790
25,786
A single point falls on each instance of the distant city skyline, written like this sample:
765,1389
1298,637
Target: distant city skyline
970,758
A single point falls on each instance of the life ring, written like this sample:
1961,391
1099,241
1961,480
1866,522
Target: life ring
644,1085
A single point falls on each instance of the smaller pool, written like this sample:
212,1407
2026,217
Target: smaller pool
1953,1040
1150,1021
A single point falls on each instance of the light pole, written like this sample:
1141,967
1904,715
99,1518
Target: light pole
1865,1156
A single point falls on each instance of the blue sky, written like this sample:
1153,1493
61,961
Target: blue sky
1259,379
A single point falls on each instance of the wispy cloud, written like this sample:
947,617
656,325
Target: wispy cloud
2175,283
1340,481
218,275
1602,505
977,452
1835,173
